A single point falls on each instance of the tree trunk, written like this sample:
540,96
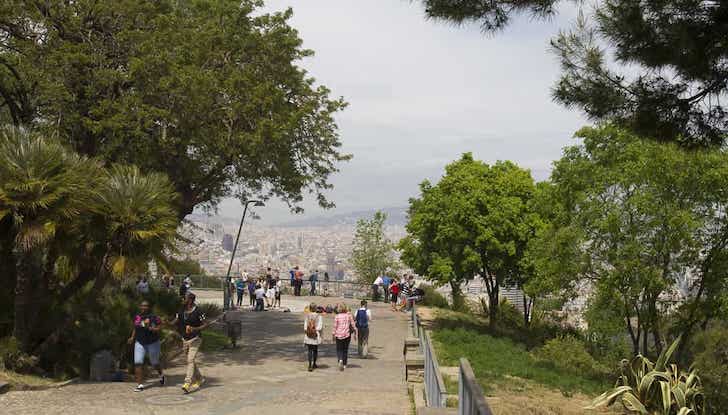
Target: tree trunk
527,307
493,305
457,295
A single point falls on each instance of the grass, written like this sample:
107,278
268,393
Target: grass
17,380
213,341
501,361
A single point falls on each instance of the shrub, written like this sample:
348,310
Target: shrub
11,358
655,388
569,354
711,360
433,298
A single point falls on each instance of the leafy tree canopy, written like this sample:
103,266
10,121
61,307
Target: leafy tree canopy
372,252
208,92
476,221
639,223
656,67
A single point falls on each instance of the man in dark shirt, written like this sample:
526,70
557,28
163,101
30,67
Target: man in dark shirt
145,338
190,322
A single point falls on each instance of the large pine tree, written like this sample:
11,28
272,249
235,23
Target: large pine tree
657,67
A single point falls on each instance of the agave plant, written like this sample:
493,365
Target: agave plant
655,388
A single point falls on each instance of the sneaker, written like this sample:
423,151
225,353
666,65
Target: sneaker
162,380
310,368
139,388
196,385
341,365
186,387
315,366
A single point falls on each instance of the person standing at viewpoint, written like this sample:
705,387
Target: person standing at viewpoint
190,322
344,327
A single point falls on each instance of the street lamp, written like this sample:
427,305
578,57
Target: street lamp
226,288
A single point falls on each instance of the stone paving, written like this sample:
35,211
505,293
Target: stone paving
266,375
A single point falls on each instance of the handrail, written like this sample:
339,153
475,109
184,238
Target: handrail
471,400
435,390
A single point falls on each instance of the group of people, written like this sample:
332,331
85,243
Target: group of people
345,326
263,292
297,279
189,322
401,294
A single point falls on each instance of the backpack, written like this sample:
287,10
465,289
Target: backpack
361,318
311,331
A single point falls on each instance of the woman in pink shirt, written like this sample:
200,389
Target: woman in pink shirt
344,327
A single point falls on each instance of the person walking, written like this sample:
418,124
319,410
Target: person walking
145,338
190,322
344,327
298,282
362,319
313,325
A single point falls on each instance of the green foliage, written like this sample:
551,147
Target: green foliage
497,360
476,220
711,360
570,354
654,67
655,388
12,358
183,267
629,219
70,226
209,92
433,298
372,253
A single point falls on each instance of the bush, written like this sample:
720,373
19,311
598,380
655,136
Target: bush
711,360
433,298
105,325
569,354
11,358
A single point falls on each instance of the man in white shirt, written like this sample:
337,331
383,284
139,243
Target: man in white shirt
375,288
259,298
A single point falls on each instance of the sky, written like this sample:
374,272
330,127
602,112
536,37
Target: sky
423,92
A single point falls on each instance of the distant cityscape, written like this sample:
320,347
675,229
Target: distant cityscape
312,244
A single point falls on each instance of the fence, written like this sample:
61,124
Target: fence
346,289
471,400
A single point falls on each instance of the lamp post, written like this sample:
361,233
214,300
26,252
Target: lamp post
226,287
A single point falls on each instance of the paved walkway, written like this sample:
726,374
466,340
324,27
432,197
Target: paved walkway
267,375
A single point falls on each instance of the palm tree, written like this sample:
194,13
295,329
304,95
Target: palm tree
43,187
137,214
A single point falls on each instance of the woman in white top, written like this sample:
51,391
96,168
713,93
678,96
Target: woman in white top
312,326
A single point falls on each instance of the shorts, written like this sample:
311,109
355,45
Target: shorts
271,293
394,298
152,349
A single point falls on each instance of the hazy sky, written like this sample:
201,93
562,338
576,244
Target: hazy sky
422,92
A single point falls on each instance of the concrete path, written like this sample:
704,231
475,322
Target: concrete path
267,375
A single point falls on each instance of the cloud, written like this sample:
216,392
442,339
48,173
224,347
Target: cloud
423,92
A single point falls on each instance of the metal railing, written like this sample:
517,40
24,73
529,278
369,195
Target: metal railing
471,400
435,390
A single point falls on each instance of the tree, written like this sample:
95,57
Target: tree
475,221
640,225
673,54
372,252
42,188
208,92
184,266
66,223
